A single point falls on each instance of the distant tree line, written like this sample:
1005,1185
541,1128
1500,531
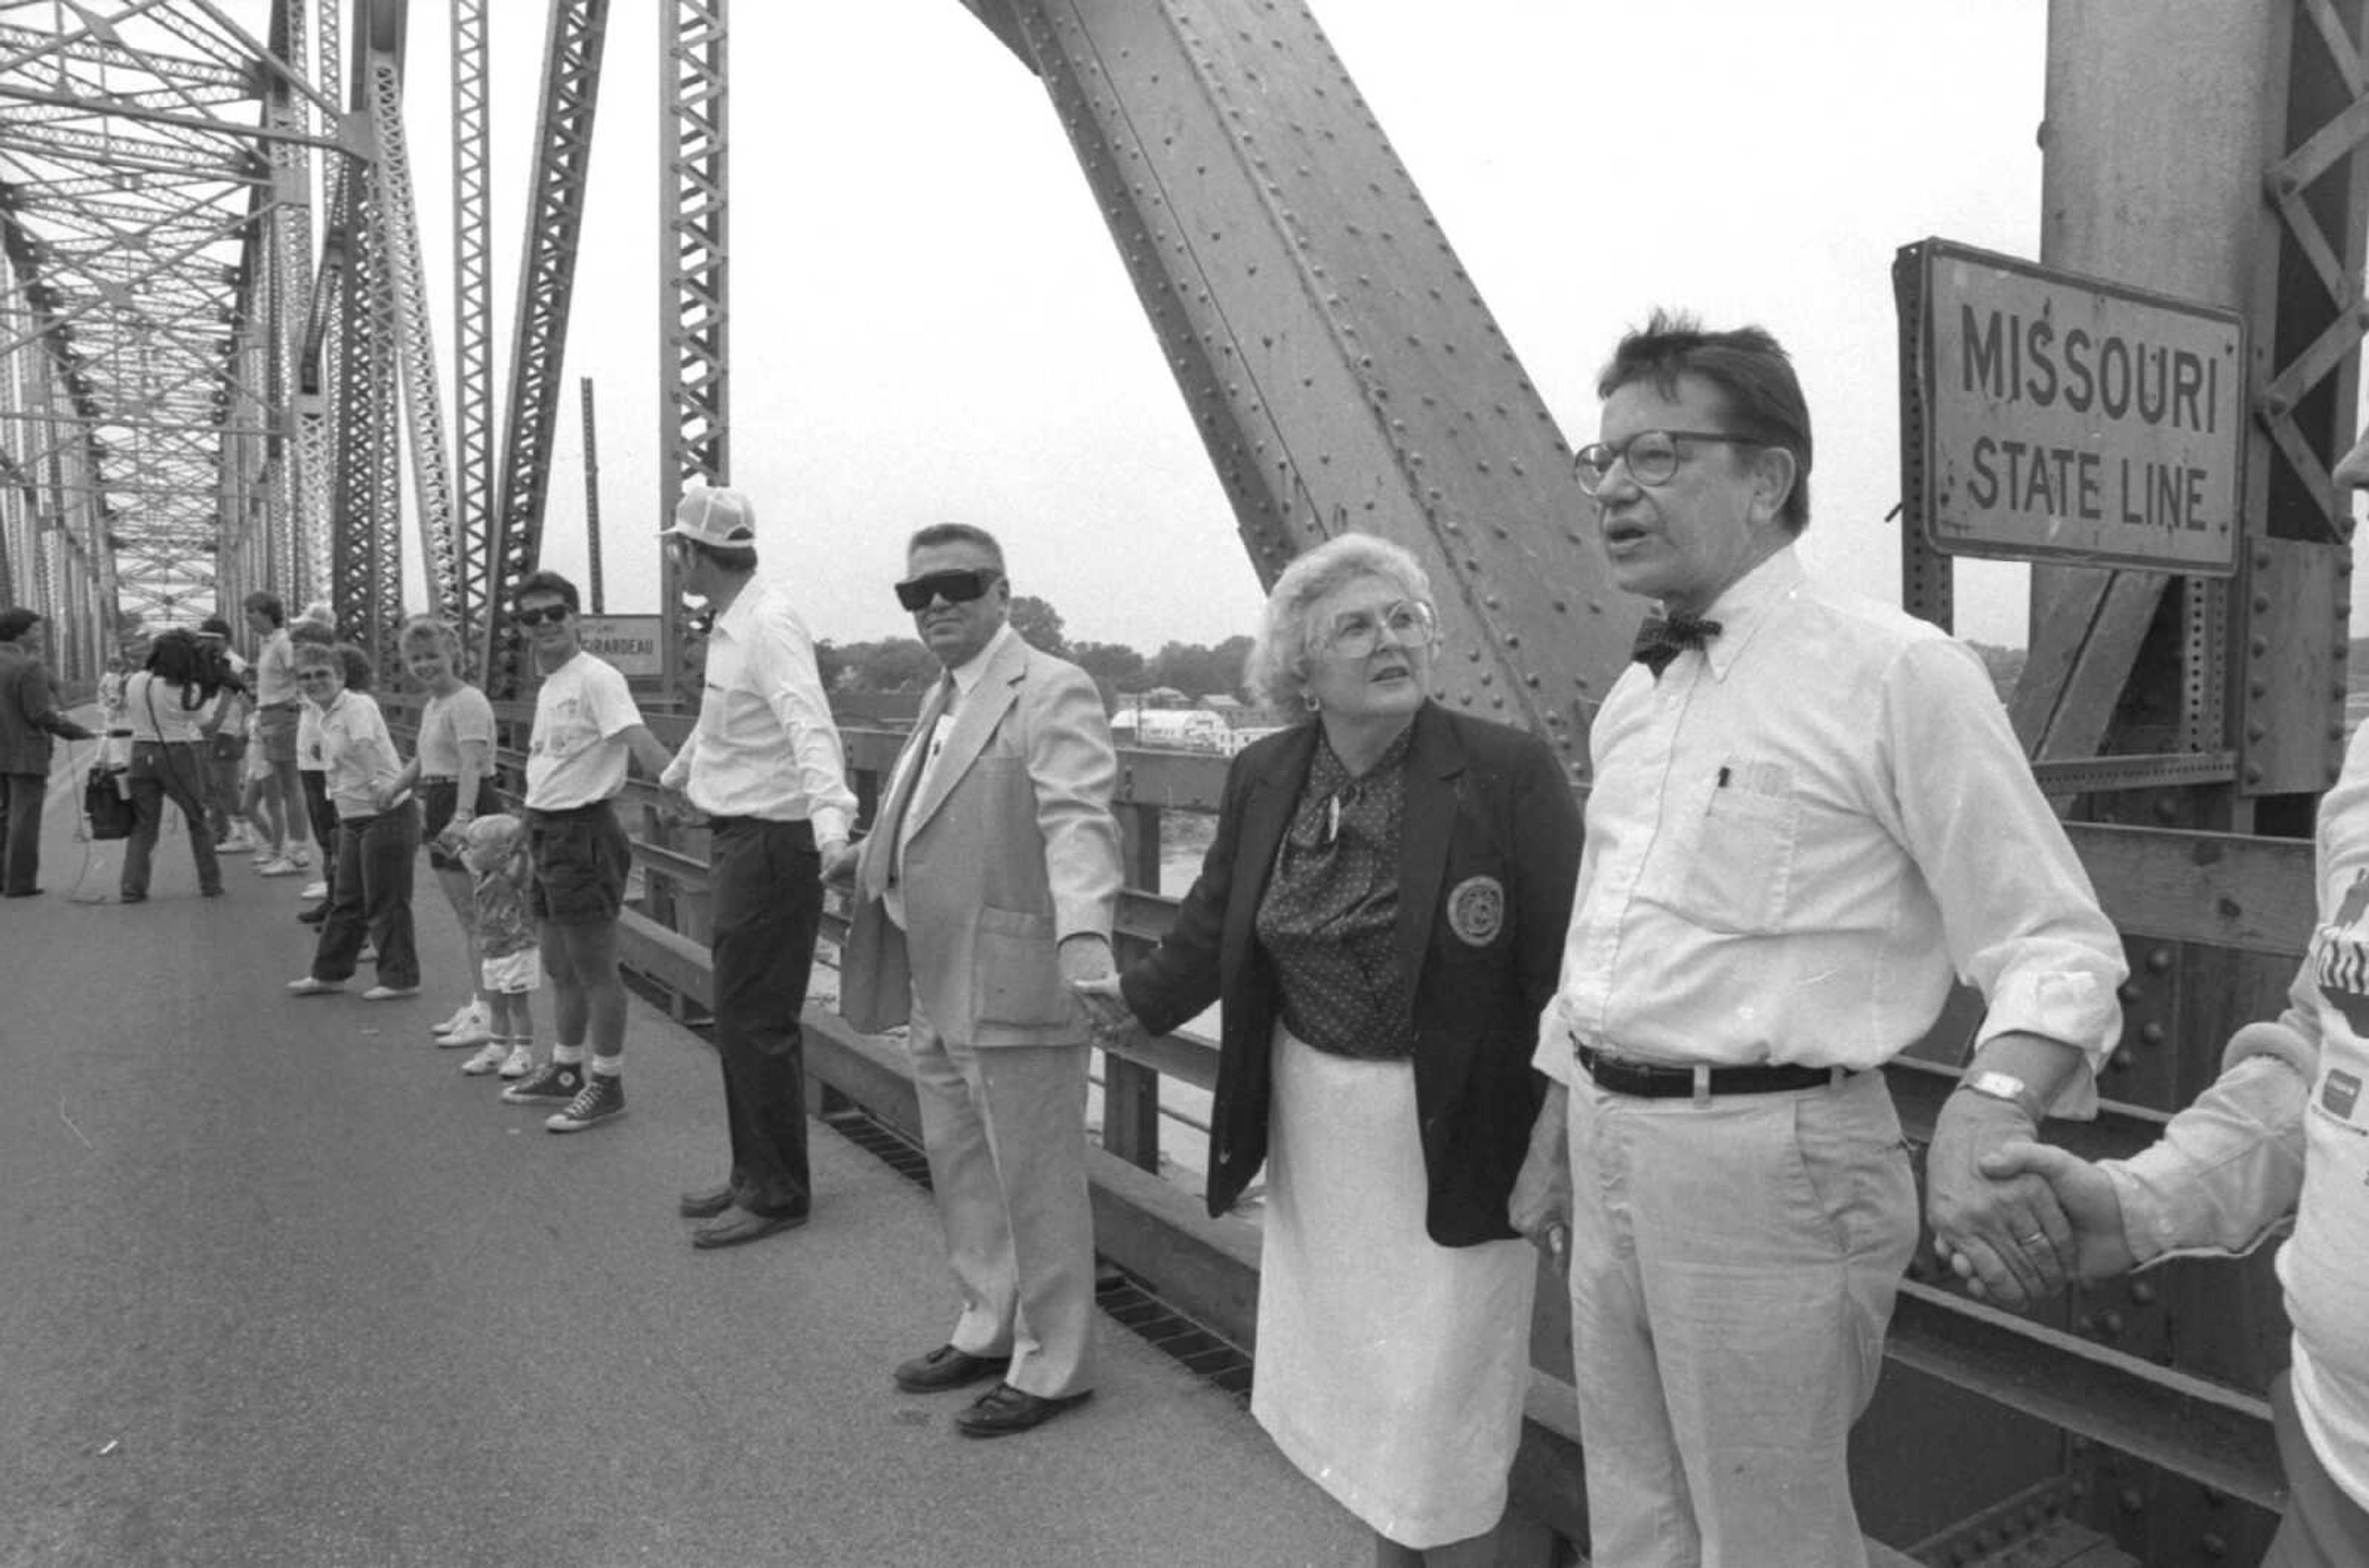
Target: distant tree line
903,664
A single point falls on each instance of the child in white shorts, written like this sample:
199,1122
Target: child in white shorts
511,964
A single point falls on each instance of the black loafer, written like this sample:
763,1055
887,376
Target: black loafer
743,1225
947,1368
1003,1410
706,1204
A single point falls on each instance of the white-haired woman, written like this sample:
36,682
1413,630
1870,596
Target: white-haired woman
1382,914
453,766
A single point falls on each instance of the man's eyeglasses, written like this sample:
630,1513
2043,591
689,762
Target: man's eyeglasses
1359,633
549,616
955,588
1652,457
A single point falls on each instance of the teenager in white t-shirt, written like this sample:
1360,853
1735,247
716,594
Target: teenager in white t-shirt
587,730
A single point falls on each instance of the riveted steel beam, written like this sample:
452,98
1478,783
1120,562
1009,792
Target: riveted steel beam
1338,362
555,221
695,277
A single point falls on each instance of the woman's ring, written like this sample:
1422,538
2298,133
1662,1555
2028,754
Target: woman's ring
2035,1236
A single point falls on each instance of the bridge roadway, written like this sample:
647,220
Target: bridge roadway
279,1286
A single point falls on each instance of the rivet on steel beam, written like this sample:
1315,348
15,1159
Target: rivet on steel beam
2253,775
1531,681
2143,1291
2151,1034
2118,1061
2258,646
2256,731
2129,993
2159,959
2262,689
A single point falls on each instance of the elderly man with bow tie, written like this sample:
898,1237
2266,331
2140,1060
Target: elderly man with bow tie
1809,817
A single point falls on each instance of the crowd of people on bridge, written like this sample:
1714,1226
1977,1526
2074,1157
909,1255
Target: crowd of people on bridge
1466,1024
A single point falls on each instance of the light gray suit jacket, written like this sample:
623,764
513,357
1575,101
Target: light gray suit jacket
1010,847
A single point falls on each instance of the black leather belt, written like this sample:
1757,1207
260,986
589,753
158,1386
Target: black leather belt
1646,1081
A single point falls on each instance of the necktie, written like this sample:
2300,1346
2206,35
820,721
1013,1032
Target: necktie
892,818
1660,641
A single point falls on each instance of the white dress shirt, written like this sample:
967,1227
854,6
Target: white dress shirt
1800,834
766,744
925,757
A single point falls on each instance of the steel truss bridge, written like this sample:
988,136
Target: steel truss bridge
218,369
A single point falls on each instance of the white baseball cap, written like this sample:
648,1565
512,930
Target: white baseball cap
715,515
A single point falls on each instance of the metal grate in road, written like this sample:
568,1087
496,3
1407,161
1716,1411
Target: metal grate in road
1122,1298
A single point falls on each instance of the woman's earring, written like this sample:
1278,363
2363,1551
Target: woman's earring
1309,698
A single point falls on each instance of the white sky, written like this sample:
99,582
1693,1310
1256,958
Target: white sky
930,321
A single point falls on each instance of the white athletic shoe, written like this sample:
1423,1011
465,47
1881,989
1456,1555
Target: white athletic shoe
520,1063
460,1015
488,1059
475,1029
278,865
314,890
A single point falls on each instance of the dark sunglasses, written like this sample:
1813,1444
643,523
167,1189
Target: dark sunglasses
549,616
955,588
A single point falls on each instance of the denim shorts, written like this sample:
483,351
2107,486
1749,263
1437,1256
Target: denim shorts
441,798
580,860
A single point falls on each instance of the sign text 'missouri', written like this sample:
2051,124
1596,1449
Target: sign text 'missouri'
2073,420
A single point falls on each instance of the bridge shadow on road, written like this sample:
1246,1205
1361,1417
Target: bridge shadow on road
281,1285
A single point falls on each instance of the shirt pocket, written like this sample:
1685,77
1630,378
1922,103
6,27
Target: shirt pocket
1737,878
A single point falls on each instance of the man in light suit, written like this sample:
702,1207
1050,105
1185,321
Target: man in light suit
986,887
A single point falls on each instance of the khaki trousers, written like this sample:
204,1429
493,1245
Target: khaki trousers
1733,1265
1006,1133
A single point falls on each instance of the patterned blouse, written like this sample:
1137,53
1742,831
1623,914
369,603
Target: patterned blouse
504,926
1329,919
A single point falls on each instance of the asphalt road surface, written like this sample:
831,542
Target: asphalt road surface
278,1284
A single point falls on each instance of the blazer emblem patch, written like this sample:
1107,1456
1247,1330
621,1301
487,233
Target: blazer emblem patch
2340,1093
1476,911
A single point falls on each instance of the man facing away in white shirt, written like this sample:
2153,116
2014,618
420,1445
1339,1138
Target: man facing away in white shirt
1809,817
763,767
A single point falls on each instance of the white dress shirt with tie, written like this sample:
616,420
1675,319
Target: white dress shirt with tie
965,678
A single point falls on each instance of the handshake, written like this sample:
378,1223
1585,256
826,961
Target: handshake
1092,979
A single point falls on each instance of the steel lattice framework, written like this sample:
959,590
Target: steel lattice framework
696,272
414,344
136,201
554,222
473,312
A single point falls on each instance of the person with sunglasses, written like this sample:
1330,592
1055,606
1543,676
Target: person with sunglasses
988,881
763,766
1380,915
587,731
1810,816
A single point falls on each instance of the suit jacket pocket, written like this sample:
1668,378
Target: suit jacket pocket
1016,970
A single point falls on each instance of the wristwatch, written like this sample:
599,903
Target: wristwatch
2006,1086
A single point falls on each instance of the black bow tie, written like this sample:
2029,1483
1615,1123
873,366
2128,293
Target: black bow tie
1660,641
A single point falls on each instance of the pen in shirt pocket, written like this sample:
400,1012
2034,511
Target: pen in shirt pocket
1723,775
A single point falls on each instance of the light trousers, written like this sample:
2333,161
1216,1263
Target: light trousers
1734,1266
1006,1132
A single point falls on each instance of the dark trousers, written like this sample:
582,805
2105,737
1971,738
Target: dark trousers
20,831
324,818
370,892
161,772
767,906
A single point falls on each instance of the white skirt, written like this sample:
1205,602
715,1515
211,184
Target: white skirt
1389,1369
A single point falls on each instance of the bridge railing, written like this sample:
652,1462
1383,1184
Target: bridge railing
2247,896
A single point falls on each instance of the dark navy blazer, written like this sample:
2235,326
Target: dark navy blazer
1488,858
